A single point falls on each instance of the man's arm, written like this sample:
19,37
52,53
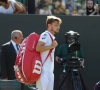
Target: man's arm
3,63
42,41
41,48
92,13
57,59
18,8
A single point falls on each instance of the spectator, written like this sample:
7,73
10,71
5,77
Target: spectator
8,55
63,7
9,51
9,7
92,9
45,10
70,4
36,10
60,8
74,12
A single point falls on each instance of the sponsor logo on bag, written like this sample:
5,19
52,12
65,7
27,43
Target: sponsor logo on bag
37,67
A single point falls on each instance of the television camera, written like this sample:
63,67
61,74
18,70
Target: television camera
74,62
72,39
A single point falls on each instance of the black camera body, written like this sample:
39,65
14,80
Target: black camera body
73,47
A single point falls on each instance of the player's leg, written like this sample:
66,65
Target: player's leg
51,81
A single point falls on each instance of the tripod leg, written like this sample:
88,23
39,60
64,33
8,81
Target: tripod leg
82,85
74,80
64,79
82,82
79,84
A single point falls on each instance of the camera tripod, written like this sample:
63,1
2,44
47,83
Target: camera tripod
76,80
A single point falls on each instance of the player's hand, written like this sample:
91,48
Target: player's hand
54,44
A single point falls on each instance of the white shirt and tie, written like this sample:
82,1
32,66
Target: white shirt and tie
16,46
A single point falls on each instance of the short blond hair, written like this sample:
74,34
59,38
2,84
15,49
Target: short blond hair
51,19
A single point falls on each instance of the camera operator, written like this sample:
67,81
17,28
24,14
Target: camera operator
92,9
62,56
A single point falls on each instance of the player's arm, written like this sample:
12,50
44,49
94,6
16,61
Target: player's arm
41,44
41,48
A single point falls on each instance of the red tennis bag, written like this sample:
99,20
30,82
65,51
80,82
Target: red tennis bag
28,62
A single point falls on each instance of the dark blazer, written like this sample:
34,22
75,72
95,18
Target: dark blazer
8,56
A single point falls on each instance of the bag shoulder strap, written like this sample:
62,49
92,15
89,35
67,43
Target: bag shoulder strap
50,49
12,5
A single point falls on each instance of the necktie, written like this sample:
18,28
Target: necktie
17,47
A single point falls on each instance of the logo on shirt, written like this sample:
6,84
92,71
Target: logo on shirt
44,36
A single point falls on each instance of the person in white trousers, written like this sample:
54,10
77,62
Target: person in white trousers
45,44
